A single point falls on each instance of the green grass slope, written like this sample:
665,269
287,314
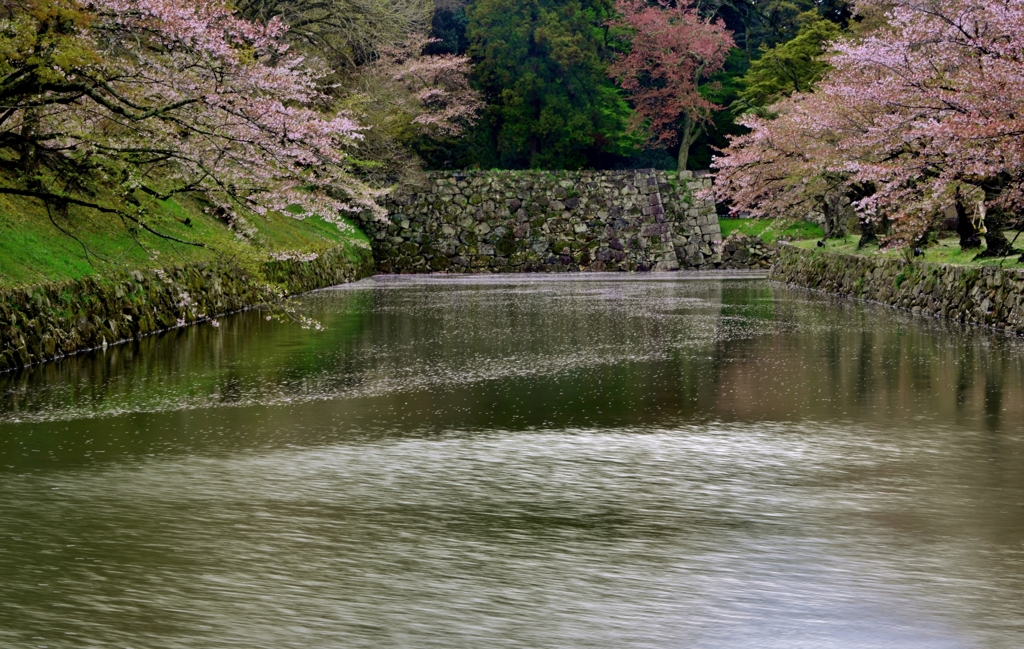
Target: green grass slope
945,250
771,230
38,246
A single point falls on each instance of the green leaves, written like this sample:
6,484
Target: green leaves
541,65
793,66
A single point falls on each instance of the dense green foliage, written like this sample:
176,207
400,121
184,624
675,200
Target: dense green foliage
448,28
758,24
723,88
793,66
542,68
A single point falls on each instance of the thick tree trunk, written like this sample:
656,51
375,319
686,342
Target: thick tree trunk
996,243
965,226
867,231
835,221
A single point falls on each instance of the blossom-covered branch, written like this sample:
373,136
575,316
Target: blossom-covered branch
157,97
918,115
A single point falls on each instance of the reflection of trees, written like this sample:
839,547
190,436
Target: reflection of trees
585,353
588,354
244,358
995,369
865,368
847,359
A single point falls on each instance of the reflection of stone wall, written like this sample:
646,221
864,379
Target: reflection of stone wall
46,322
528,221
979,295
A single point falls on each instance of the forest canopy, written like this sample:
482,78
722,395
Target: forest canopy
604,84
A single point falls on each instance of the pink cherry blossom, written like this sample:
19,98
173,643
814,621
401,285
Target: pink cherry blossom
182,96
918,114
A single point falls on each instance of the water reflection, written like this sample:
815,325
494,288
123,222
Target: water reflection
523,462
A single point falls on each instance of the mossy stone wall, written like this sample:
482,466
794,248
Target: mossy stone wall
740,251
539,221
48,321
986,295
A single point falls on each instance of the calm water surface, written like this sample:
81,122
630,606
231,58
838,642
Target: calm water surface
523,462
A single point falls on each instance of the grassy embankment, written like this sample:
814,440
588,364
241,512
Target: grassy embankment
34,250
771,230
945,250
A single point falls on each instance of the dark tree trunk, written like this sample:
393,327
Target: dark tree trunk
996,243
965,227
687,136
996,222
835,221
867,231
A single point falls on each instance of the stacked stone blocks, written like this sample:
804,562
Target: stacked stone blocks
536,221
48,321
986,295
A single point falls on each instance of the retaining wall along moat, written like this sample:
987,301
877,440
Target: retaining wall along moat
540,221
49,321
986,295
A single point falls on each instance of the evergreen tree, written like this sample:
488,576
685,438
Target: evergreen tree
448,27
542,68
766,28
722,88
793,66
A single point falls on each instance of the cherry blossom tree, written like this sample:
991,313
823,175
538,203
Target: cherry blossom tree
923,112
158,97
947,84
792,163
344,33
673,49
429,93
409,99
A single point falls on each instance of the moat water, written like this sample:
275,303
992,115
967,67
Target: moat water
593,461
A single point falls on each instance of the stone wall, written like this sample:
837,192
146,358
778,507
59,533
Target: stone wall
49,321
986,295
739,251
536,221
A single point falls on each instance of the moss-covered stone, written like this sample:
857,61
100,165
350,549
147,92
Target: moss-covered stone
498,215
53,320
973,295
505,246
